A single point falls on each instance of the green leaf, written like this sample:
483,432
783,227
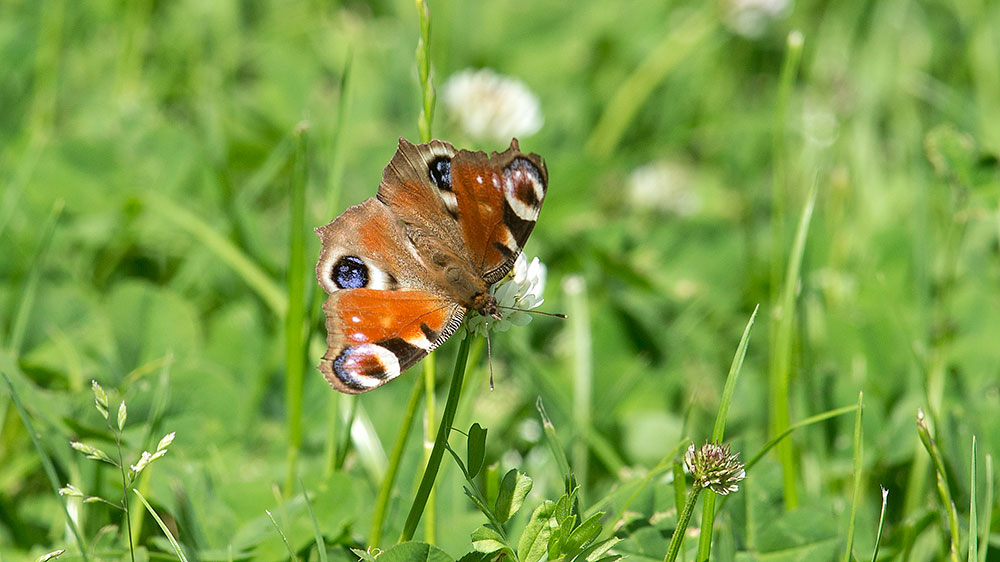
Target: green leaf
564,505
415,552
486,539
513,489
596,552
559,536
534,541
477,449
477,557
583,534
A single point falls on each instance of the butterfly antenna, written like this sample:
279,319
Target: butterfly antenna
489,354
552,314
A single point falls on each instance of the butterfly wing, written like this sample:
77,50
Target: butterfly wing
381,316
498,198
483,206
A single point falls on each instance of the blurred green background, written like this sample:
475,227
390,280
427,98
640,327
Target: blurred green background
146,159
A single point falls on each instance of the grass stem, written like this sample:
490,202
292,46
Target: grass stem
395,458
434,463
295,318
677,539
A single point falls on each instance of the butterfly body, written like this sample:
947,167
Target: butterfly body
402,269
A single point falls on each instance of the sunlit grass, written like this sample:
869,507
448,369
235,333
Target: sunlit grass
155,207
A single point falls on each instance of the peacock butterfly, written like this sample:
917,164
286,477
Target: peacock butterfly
403,268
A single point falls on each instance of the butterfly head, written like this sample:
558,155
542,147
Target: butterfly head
486,304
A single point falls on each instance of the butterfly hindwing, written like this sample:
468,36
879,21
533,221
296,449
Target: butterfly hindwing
381,316
375,335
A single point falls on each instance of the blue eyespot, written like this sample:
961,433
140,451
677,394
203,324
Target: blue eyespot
440,172
350,273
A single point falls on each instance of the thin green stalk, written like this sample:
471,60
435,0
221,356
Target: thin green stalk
345,439
718,432
779,130
729,389
434,463
988,516
295,317
808,421
973,524
424,72
782,350
677,539
881,523
47,466
677,44
163,527
430,411
317,532
395,457
125,487
583,373
288,546
552,440
662,466
781,316
424,121
944,492
858,457
26,301
227,252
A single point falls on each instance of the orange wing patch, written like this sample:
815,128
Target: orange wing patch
373,336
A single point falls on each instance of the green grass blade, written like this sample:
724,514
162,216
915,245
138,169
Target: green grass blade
430,412
729,389
944,492
336,143
320,543
295,344
808,421
434,463
582,371
782,351
677,44
50,470
395,458
424,72
881,523
552,439
665,463
708,506
973,524
858,464
163,527
291,553
255,277
988,515
27,299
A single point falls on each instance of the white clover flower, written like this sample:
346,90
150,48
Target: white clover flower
750,18
491,106
522,290
665,187
715,467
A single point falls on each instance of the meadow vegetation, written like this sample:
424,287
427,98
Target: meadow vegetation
773,225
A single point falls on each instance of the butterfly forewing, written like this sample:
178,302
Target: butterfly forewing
498,198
